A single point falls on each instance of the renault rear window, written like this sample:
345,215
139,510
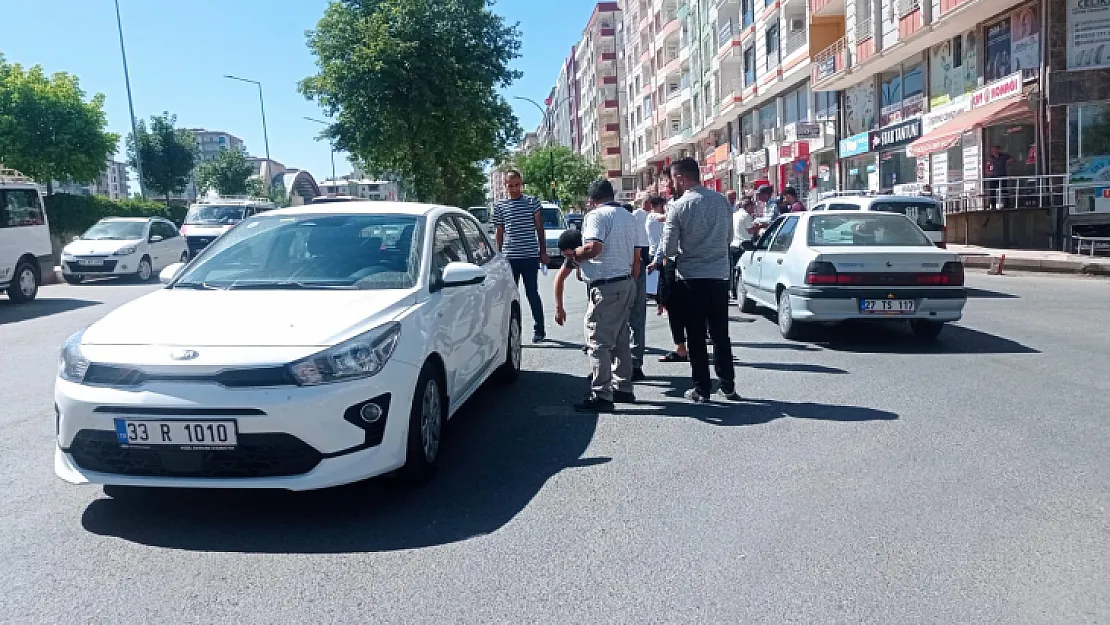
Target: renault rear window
927,215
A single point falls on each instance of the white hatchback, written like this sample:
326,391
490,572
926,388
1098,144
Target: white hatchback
833,266
120,246
306,348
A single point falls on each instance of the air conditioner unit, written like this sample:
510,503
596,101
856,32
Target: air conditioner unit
797,25
770,135
749,140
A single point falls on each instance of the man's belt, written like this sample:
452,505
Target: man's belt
594,283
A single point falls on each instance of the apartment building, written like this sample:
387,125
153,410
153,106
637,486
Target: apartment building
112,183
599,93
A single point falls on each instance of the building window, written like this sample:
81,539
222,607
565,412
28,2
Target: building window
772,45
890,94
796,105
749,65
747,132
825,107
748,12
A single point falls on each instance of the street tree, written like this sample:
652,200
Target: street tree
228,174
571,172
169,154
48,130
413,88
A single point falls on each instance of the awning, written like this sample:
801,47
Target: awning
948,134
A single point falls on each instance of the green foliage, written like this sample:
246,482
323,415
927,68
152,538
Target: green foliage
47,129
573,173
229,174
73,214
169,155
413,87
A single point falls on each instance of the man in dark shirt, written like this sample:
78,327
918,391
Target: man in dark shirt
998,166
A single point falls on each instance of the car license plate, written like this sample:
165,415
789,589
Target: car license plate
90,262
184,435
887,306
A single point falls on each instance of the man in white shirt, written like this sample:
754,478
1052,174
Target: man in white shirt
743,228
638,318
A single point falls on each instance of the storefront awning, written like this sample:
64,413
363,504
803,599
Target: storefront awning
948,134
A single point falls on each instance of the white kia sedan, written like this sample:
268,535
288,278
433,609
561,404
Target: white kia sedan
136,247
308,347
831,266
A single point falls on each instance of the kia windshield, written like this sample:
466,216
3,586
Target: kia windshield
213,215
311,252
115,231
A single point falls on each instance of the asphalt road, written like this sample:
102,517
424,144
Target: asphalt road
866,479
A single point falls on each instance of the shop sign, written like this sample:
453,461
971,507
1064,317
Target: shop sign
786,152
758,159
937,118
743,163
1008,87
801,130
856,144
1088,35
896,135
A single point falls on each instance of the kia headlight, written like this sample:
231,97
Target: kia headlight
360,357
125,251
72,364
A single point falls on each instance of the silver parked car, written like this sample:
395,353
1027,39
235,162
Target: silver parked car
829,266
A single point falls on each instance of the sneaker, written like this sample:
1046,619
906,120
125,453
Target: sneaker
729,393
539,337
696,396
638,375
624,397
594,404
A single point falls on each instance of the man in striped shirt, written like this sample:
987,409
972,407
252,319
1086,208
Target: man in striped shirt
520,237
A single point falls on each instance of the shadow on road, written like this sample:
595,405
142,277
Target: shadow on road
798,347
751,411
987,294
895,338
498,454
11,312
789,367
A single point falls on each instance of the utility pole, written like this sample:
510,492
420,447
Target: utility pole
550,152
320,121
130,106
265,136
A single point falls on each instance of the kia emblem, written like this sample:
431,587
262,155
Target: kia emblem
184,354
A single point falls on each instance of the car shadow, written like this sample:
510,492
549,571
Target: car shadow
498,455
895,338
798,347
794,367
11,312
988,294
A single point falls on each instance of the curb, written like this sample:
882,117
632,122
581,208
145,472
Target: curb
1090,268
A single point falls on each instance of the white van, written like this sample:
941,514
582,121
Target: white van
211,217
927,212
25,252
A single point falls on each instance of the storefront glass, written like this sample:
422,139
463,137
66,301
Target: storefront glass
952,69
747,129
1019,141
1089,155
859,173
913,88
859,108
1013,43
896,168
890,91
823,169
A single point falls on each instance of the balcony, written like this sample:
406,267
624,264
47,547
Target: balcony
609,105
830,64
732,93
613,151
907,7
607,32
725,35
606,80
670,28
794,42
607,57
865,29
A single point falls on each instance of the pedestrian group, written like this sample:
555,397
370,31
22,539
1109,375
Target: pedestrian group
682,252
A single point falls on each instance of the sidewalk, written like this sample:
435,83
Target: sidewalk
1033,260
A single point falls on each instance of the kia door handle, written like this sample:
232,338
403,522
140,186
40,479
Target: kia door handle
779,261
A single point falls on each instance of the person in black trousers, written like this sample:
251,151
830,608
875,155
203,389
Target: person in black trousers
700,224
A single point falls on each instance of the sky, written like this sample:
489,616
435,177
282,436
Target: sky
178,53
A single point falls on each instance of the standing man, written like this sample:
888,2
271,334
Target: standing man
743,227
998,166
520,237
665,263
790,201
610,263
731,195
638,318
700,224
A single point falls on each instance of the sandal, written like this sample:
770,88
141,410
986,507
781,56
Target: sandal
674,357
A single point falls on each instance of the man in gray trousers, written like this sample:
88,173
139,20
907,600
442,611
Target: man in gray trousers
610,264
638,318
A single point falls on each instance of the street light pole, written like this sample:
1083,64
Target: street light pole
550,153
265,135
130,106
330,144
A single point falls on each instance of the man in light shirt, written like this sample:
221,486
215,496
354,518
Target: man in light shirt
743,228
638,318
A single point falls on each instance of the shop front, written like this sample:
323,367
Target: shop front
896,167
1089,168
859,166
754,167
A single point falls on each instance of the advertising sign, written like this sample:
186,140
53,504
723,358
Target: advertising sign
998,50
896,135
1088,34
940,116
1007,87
856,144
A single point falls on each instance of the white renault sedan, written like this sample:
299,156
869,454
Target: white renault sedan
833,266
137,247
308,347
